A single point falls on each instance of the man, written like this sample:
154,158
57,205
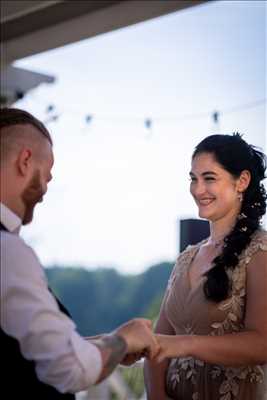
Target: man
44,356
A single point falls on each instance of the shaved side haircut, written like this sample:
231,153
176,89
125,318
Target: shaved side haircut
18,128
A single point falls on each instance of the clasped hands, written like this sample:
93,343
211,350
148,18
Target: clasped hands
142,342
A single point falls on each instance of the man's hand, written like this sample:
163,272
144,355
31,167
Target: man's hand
131,358
132,338
139,337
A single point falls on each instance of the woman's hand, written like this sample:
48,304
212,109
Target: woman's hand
172,346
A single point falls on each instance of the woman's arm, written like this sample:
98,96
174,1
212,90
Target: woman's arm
155,372
248,347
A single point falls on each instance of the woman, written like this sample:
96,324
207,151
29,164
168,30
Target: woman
212,326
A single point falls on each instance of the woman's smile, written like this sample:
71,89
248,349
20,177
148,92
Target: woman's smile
206,201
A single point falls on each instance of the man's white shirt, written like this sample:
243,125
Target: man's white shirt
30,314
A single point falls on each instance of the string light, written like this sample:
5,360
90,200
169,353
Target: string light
149,122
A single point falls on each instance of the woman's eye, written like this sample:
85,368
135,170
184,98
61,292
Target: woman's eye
209,178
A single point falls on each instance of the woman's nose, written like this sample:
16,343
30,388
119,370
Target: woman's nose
198,188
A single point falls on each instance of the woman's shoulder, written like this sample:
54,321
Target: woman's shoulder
259,239
191,248
258,243
188,253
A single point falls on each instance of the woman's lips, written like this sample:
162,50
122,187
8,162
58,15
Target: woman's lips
204,202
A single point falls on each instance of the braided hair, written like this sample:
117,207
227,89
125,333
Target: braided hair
235,155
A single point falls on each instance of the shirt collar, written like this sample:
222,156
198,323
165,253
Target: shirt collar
9,219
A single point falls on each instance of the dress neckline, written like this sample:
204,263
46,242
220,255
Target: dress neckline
195,250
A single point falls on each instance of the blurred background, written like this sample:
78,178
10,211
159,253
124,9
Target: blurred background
127,90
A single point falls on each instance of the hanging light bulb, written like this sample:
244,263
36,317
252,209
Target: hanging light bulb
148,123
88,119
50,108
215,117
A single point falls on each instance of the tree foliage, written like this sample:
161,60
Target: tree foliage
101,299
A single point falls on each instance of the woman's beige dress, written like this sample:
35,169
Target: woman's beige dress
189,312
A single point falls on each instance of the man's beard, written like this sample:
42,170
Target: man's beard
31,196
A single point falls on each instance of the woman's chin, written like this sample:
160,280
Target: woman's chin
205,214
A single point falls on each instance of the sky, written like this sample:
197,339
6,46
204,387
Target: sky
121,186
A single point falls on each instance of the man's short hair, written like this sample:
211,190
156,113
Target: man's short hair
15,116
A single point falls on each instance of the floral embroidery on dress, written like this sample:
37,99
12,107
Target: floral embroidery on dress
233,321
188,366
229,388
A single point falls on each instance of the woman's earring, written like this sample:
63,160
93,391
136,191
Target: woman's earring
240,196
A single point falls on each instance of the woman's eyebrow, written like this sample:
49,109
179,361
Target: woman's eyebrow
204,173
208,173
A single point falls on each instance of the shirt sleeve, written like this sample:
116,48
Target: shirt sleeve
30,314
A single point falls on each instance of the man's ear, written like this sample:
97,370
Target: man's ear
243,181
24,161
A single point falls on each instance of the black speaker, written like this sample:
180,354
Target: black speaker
193,231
